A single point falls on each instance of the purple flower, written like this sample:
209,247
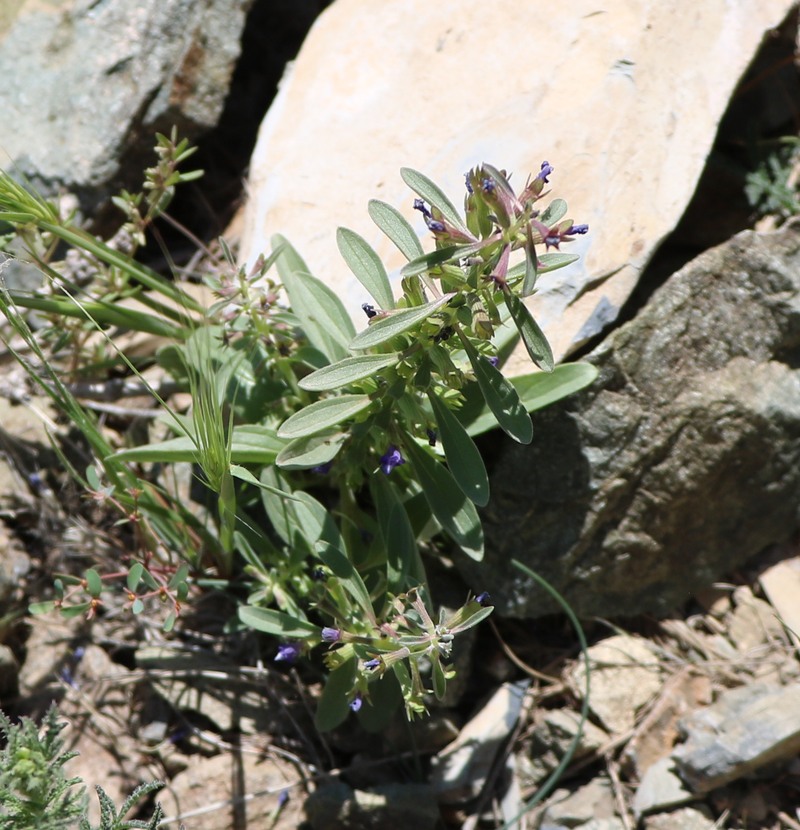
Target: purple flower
483,598
493,360
287,653
467,182
487,185
356,703
369,310
323,469
372,664
577,229
390,459
432,436
331,635
283,797
420,206
546,171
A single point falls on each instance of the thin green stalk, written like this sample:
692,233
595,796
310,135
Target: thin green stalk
556,774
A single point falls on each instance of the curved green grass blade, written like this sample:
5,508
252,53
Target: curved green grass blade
366,265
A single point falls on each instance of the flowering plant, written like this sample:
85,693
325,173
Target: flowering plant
287,399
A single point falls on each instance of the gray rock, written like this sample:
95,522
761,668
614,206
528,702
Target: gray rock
687,818
551,739
744,730
678,464
660,789
86,81
592,802
460,770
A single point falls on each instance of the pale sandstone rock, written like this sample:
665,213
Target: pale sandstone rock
623,98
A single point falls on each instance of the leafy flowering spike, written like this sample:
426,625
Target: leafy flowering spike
331,635
390,459
287,653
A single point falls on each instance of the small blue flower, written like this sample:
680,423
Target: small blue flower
331,635
577,229
323,469
422,208
493,360
432,436
546,171
390,459
372,664
467,182
356,703
487,185
283,797
483,598
287,653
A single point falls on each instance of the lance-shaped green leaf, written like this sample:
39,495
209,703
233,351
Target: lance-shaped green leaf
311,451
366,265
402,554
529,283
433,259
349,577
431,193
532,336
463,458
276,623
346,371
552,261
500,397
322,414
452,509
553,212
334,704
396,227
250,444
536,390
396,323
324,319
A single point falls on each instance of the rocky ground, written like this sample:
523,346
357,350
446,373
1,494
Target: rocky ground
693,718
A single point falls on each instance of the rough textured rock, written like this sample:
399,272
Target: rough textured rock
623,100
625,676
743,731
678,464
87,81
